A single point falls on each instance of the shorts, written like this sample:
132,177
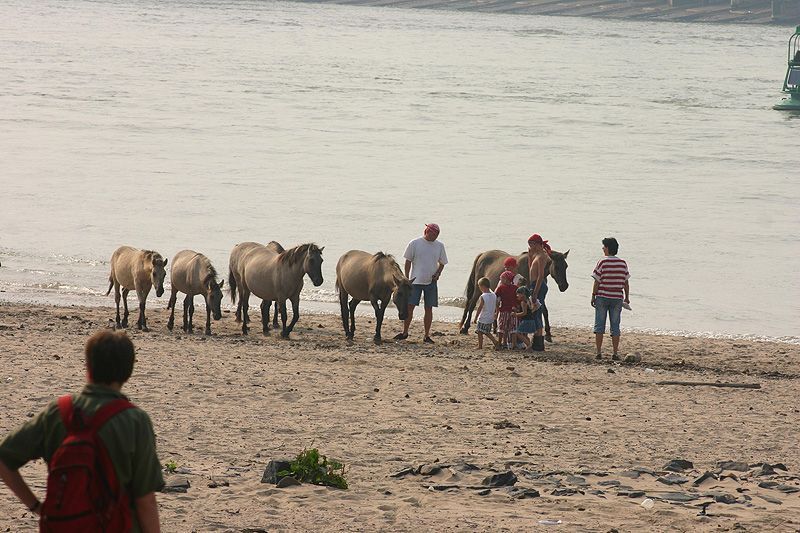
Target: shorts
526,326
607,306
506,321
431,294
538,315
483,328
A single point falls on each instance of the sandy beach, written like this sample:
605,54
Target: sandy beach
587,441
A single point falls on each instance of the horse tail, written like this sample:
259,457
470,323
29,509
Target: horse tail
232,286
110,284
471,281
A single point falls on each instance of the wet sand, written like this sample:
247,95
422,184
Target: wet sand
592,440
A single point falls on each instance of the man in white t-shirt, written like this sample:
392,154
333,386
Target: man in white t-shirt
425,259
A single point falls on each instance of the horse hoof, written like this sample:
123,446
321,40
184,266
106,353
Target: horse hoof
208,332
123,324
170,325
464,331
145,329
377,340
285,335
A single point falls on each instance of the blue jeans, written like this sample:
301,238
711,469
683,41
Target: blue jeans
431,294
538,315
607,306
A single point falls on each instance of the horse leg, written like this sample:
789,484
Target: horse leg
468,311
116,300
239,311
284,334
191,314
545,314
244,299
125,304
142,322
173,298
380,310
265,305
345,313
275,315
351,313
295,314
208,318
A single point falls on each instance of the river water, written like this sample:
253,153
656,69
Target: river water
200,124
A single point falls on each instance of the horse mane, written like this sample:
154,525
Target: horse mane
153,256
297,254
211,272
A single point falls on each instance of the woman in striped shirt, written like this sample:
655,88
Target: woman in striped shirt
610,290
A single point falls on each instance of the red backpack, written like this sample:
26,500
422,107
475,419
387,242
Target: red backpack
83,492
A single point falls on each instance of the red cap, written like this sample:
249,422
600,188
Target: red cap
433,227
536,238
507,276
510,262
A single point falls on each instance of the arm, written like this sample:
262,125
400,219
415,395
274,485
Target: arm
14,481
597,286
478,312
627,292
408,267
147,513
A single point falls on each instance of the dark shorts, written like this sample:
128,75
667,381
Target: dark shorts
611,307
431,294
526,326
538,315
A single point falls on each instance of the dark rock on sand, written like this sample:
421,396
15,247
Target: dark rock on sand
273,467
609,483
706,475
787,489
504,479
505,424
215,482
721,497
675,496
672,479
770,499
678,465
566,491
430,470
176,484
738,466
576,480
287,481
633,474
768,484
522,494
631,493
403,472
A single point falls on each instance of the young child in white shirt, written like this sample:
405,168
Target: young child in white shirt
486,313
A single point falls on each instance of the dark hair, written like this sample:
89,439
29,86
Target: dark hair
109,357
524,290
612,245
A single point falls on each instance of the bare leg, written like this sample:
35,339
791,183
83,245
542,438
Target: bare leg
428,320
480,340
615,344
598,342
493,339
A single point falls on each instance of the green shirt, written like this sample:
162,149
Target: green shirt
128,437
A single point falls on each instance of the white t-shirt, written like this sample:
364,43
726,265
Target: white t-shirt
489,305
425,257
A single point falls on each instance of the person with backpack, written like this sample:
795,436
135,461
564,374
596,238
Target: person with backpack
100,450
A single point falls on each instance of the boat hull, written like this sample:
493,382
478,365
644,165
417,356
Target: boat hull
790,103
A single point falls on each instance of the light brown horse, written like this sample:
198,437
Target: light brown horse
233,267
276,277
490,264
376,278
139,270
192,273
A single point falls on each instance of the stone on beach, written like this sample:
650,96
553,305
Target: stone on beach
503,479
271,472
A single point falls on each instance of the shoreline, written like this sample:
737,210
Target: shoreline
586,439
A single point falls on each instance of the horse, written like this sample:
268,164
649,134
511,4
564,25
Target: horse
376,278
139,270
276,277
238,251
490,264
192,273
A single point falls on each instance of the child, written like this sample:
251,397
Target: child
524,314
510,265
485,315
506,319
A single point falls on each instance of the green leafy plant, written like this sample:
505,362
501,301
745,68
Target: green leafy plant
171,466
311,467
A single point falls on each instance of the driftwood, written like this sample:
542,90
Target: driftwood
711,384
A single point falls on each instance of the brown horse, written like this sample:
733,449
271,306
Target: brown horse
238,251
490,264
376,278
139,270
276,277
192,273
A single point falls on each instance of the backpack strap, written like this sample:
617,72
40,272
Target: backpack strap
67,410
105,413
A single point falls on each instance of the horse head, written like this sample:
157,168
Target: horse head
558,269
158,272
401,294
312,264
214,297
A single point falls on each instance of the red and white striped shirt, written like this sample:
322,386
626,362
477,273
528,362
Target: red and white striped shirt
611,272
